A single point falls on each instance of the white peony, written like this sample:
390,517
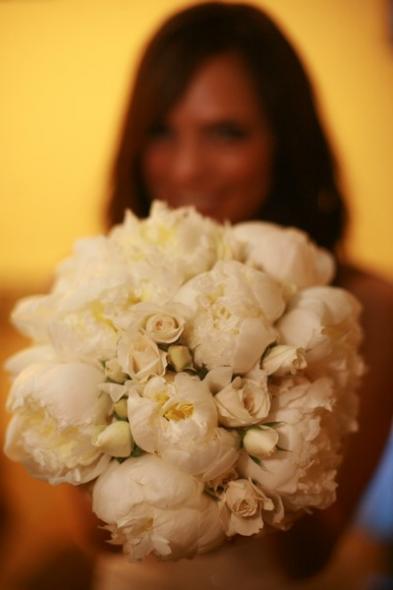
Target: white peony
287,254
97,266
151,507
324,321
234,308
319,313
58,412
81,331
84,334
171,412
31,315
210,459
181,241
177,419
88,280
28,356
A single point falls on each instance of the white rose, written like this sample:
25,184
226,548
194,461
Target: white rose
113,371
120,408
58,413
283,359
140,357
179,357
287,254
260,442
115,439
151,507
234,308
243,402
241,508
164,328
162,323
116,390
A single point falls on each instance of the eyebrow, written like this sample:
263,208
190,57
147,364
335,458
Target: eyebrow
229,121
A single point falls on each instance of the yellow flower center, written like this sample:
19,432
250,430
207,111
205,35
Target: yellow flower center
161,397
179,411
159,235
97,310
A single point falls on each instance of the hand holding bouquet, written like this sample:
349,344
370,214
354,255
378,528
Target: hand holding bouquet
201,375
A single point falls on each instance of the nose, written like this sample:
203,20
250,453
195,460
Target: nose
188,165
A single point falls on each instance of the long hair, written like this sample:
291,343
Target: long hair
304,190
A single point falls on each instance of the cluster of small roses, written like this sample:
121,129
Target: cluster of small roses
202,376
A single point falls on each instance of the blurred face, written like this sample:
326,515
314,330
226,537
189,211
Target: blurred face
214,148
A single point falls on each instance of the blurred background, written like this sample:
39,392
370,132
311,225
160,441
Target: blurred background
65,71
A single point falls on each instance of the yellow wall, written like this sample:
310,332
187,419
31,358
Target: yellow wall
64,71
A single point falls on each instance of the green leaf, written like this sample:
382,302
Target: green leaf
268,349
120,417
210,493
281,449
137,451
270,424
202,372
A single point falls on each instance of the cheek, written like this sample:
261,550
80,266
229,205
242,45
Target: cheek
160,181
249,168
155,162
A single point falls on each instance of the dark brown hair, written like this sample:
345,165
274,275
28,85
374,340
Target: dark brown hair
304,190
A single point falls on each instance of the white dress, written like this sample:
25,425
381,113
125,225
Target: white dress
245,564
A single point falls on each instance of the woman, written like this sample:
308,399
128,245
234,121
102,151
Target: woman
304,190
222,116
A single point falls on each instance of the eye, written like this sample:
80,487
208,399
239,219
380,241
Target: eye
160,131
228,131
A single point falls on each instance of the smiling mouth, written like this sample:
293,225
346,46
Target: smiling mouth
197,200
209,206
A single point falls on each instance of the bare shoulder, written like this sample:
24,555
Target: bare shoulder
358,279
376,399
374,293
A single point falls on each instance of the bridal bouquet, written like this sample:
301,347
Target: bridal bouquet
200,376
